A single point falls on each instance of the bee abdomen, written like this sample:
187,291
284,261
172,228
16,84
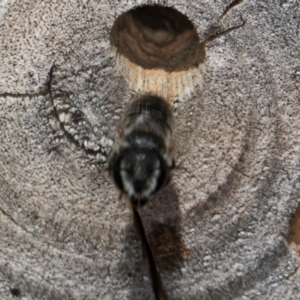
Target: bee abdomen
152,115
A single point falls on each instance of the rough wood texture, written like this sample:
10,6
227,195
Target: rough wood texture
218,231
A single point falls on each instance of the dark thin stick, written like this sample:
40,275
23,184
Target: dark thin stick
157,285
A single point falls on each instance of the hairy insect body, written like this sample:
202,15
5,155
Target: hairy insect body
140,163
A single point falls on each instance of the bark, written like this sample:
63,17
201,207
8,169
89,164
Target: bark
219,230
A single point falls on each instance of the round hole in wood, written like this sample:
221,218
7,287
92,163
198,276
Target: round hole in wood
157,37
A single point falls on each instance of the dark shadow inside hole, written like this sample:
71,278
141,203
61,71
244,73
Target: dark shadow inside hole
157,37
160,25
15,292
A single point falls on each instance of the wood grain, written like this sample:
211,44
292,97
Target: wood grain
218,231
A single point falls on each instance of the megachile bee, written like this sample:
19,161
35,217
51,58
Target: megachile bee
140,163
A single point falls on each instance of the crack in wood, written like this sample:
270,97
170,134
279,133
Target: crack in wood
69,137
22,95
157,284
229,7
13,220
225,32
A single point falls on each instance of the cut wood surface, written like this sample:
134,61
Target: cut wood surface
219,229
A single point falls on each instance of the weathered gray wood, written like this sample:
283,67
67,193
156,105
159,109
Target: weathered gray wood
218,230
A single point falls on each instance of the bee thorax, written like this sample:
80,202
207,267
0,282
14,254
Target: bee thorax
150,114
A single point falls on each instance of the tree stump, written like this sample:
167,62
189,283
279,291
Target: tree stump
222,228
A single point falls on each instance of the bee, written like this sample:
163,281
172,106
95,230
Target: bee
140,162
140,165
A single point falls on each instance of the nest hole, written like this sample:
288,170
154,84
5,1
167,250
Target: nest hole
157,37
